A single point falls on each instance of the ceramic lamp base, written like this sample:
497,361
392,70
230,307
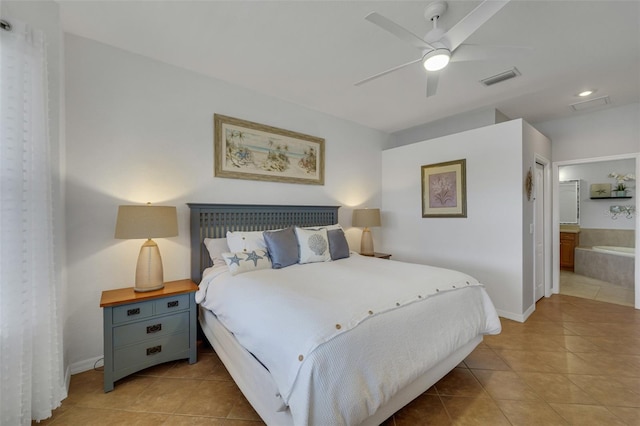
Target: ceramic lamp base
366,243
149,274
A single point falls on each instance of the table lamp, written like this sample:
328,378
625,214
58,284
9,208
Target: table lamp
366,218
148,222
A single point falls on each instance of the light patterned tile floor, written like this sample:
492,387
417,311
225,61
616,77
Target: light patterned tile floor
591,288
575,361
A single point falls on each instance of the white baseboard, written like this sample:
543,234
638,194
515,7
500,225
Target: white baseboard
528,312
85,365
512,316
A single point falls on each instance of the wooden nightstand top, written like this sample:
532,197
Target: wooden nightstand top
379,255
128,295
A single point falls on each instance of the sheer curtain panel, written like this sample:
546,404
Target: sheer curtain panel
31,373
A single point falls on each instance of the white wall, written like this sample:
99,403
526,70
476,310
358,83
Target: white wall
140,130
603,133
593,212
488,244
535,146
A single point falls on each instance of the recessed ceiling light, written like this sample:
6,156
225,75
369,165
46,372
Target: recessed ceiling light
586,93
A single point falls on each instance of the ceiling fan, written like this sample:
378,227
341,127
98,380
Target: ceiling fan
439,47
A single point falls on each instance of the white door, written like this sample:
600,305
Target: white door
538,239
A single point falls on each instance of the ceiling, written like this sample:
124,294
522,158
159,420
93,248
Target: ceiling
312,52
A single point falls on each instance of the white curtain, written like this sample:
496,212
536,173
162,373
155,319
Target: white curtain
31,373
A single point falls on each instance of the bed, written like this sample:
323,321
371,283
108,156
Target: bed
302,356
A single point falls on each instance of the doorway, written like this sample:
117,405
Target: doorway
539,231
595,215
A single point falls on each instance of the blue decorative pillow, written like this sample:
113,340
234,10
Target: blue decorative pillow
338,245
282,246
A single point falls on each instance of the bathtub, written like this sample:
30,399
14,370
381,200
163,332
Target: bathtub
615,265
618,251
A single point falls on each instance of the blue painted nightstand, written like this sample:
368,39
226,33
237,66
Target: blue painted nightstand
149,328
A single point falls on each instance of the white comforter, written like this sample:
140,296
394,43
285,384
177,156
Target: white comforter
319,329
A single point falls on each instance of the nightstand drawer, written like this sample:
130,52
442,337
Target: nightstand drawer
132,312
162,349
152,328
172,304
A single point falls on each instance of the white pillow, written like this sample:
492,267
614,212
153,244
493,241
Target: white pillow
313,245
215,247
328,227
244,262
245,241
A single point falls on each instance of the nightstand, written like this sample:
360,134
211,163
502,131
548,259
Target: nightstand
379,255
148,328
382,255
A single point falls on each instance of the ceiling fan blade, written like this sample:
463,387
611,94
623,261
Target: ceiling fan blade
398,31
432,83
373,77
470,23
476,52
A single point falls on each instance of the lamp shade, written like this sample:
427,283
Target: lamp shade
146,222
366,218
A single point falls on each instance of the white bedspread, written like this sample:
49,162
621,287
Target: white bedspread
308,324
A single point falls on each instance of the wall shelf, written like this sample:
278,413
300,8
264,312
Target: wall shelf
611,198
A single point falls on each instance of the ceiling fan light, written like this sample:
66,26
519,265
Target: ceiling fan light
436,59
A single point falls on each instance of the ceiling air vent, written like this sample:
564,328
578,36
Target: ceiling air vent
591,103
506,75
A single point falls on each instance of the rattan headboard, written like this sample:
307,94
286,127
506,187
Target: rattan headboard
214,220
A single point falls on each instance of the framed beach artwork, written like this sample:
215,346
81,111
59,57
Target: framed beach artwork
444,189
247,150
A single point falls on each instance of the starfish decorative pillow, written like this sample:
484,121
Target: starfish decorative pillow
243,261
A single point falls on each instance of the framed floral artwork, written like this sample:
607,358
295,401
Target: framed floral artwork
444,189
247,150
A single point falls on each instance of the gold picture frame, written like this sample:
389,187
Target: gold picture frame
248,150
444,189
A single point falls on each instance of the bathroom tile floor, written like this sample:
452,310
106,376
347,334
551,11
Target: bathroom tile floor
590,288
575,361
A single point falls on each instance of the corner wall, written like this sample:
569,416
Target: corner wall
488,244
534,146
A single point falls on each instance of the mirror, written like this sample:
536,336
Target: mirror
569,196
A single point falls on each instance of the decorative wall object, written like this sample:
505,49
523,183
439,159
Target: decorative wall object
528,184
624,211
444,189
600,190
247,150
620,187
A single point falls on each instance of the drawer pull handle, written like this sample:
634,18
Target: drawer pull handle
135,311
173,304
154,328
154,350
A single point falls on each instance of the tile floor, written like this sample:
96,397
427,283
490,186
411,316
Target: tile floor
590,288
574,362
